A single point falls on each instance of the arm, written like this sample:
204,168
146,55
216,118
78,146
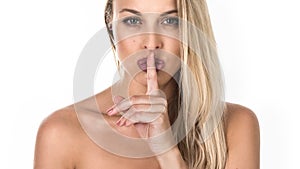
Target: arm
53,145
243,139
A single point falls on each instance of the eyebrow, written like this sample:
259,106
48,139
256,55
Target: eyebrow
139,13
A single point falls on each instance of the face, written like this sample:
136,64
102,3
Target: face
141,26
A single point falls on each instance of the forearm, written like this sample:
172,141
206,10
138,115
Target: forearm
171,159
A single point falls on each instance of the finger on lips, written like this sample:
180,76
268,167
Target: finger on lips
140,104
151,74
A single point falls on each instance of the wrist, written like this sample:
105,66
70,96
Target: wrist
171,159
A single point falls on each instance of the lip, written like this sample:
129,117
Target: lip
142,63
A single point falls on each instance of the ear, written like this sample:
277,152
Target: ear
109,25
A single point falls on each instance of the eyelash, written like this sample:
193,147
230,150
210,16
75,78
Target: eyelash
128,21
173,19
134,21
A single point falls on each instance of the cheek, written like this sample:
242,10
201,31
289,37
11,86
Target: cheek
132,45
173,47
126,48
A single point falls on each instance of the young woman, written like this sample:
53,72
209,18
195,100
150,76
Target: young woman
172,72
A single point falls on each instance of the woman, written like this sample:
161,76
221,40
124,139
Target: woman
150,35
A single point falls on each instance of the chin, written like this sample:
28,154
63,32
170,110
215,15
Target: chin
162,78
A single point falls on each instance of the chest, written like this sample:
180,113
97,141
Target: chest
92,156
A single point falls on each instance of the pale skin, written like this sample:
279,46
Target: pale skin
62,143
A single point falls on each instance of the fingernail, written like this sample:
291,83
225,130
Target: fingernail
110,108
110,112
118,122
127,124
122,123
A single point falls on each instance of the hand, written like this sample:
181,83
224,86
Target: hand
148,113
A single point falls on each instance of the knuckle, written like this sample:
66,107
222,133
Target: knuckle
162,108
136,107
155,92
151,76
133,99
118,108
163,101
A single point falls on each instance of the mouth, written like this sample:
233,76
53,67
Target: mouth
142,63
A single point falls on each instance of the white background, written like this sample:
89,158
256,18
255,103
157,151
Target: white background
40,41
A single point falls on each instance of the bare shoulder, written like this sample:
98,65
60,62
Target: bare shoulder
55,140
64,117
238,115
62,122
243,137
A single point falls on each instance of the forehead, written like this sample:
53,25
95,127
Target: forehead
145,6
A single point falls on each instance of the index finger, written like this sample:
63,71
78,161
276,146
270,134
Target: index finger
151,74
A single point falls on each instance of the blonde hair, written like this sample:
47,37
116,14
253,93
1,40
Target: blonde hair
201,89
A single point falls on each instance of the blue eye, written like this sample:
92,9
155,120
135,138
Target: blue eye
132,21
171,21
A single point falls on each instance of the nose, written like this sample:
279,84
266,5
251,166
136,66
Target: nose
152,41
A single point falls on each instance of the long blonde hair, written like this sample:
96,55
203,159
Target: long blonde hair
201,89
